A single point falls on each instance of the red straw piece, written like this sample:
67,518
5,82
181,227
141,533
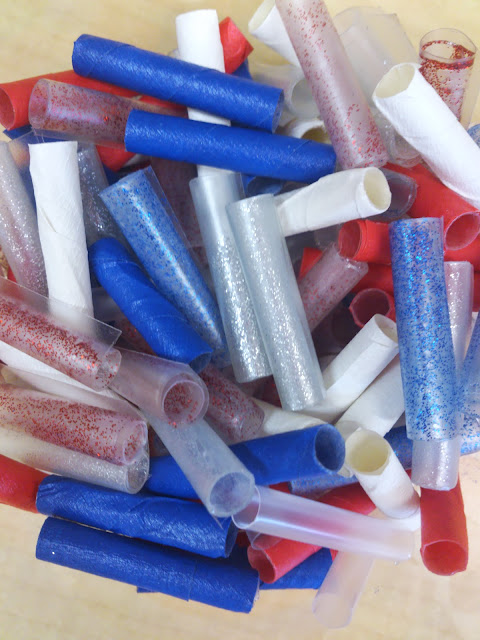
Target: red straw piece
10,275
113,158
15,96
435,200
444,547
471,253
365,241
476,291
368,303
379,276
19,484
236,48
310,258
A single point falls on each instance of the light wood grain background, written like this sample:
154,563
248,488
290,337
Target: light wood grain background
42,601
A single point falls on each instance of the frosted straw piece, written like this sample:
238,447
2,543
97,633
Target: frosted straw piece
404,191
373,462
288,516
335,88
72,464
18,227
58,335
277,303
211,194
169,390
56,182
435,463
459,281
280,421
357,366
334,199
419,114
327,283
335,601
298,97
221,481
267,26
115,437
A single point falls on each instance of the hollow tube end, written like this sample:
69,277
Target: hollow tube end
462,231
231,493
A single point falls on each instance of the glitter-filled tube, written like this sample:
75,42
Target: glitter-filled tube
111,436
459,281
140,208
280,514
19,237
72,464
327,283
220,480
233,415
278,306
335,88
58,335
266,25
169,390
426,347
337,198
211,194
370,302
19,484
289,78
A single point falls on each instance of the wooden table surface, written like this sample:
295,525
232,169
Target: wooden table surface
42,601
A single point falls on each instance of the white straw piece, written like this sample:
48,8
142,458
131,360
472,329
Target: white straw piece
266,25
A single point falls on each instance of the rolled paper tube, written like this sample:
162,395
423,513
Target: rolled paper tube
141,210
365,241
296,518
14,96
444,547
372,460
114,159
310,257
277,303
357,366
115,437
371,302
311,129
327,283
267,26
335,332
147,565
279,421
309,574
427,123
83,114
233,415
404,191
289,78
18,226
175,523
211,193
434,199
236,48
56,181
19,484
342,196
459,281
59,336
164,328
341,589
471,253
379,276
164,77
234,148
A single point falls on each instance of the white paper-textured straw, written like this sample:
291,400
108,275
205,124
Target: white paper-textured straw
267,26
278,420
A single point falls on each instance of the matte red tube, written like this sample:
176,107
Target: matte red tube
435,200
379,276
19,484
310,258
236,48
368,303
114,158
365,241
476,291
468,254
444,547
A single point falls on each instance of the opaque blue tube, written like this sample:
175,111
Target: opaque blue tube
280,458
424,336
256,185
154,74
160,323
147,565
143,213
309,574
168,521
243,150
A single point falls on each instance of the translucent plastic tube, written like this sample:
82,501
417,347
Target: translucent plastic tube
342,196
289,78
266,25
403,190
211,194
288,516
279,421
277,303
18,227
327,283
371,302
335,88
220,480
459,281
335,332
169,390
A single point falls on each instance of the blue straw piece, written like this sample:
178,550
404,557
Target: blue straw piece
280,458
13,134
309,574
154,74
148,565
143,213
257,185
164,328
243,71
168,521
233,148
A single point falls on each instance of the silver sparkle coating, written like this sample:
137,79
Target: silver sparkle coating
435,463
459,282
277,303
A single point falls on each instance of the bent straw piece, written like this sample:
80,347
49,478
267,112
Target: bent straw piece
370,302
19,484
